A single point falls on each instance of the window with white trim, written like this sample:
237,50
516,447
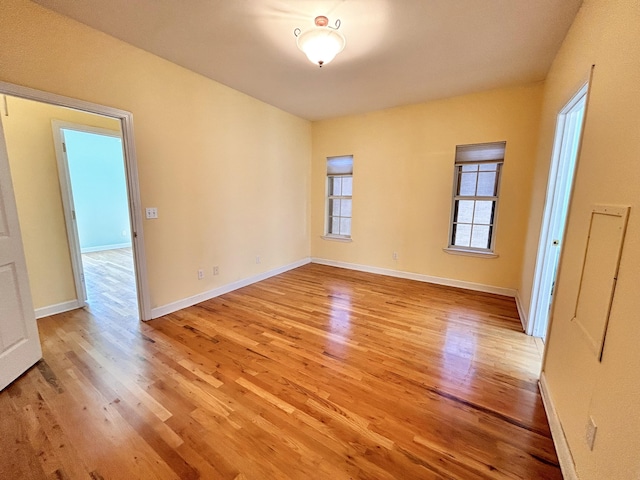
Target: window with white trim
339,201
476,185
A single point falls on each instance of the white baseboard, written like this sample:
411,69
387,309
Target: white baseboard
509,292
57,308
557,433
101,248
216,292
523,316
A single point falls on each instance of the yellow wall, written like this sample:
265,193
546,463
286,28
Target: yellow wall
228,173
231,177
606,34
403,180
32,159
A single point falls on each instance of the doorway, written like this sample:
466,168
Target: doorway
559,188
92,176
133,230
19,342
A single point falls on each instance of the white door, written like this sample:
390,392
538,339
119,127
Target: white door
61,132
19,341
69,212
566,146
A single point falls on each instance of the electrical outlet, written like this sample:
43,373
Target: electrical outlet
592,428
216,270
395,256
151,212
200,274
257,258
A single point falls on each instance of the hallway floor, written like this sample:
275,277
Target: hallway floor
111,286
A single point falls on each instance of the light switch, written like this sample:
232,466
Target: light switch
152,212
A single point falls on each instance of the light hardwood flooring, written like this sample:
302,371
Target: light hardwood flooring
318,373
111,285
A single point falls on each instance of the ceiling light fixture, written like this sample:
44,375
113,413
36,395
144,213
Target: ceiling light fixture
322,43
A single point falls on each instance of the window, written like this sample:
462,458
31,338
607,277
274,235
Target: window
476,183
339,188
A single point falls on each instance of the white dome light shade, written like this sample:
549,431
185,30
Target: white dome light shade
322,43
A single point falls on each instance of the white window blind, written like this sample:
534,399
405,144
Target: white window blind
480,153
340,165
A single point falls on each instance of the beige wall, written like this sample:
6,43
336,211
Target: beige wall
229,174
606,34
403,180
231,177
34,171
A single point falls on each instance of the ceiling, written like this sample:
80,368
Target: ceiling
398,52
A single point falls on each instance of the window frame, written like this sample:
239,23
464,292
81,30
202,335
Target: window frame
328,198
455,197
337,167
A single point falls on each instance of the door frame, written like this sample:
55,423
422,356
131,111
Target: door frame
131,171
68,201
543,282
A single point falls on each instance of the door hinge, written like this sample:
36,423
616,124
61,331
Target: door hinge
64,147
73,214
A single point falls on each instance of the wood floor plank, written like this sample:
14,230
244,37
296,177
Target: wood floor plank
19,456
315,373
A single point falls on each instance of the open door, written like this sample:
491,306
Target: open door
8,217
19,340
562,171
92,175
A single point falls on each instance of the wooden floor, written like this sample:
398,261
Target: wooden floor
318,373
111,284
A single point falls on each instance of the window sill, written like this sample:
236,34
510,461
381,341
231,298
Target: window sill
336,239
470,253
